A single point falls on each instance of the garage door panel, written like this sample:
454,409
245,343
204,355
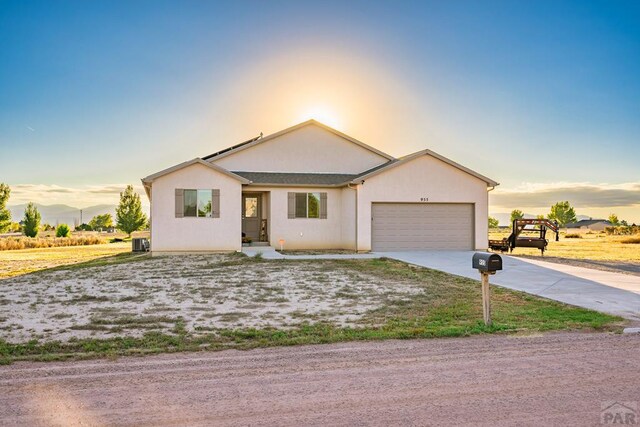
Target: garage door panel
416,226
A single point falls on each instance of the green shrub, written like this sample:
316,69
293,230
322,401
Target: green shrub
63,230
31,220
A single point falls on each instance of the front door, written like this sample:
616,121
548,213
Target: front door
251,214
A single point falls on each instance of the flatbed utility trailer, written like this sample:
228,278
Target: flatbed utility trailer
538,240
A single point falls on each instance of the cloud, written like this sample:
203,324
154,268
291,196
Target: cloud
26,188
580,195
82,196
110,189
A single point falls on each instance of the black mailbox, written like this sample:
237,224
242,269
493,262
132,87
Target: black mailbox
484,261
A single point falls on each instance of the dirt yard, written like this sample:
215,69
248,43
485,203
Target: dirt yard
198,293
138,304
557,379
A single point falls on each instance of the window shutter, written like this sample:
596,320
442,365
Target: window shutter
323,205
291,205
215,203
179,202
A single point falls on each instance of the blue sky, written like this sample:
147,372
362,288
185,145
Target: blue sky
544,97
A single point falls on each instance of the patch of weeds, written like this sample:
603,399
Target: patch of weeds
127,320
87,298
130,322
59,316
346,292
89,327
132,298
109,311
180,328
231,316
271,299
200,308
300,314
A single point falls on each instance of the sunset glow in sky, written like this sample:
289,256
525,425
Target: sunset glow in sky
543,97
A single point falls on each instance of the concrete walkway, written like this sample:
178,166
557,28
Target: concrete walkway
603,291
269,252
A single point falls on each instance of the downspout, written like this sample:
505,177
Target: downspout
147,188
356,190
488,191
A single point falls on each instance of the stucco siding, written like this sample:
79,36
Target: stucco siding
310,149
171,234
423,178
348,214
304,233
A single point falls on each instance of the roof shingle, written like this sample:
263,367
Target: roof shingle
288,178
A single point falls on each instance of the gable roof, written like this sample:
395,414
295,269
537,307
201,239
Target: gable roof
149,179
233,147
397,162
259,140
297,179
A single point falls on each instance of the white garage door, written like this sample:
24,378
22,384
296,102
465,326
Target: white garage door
416,226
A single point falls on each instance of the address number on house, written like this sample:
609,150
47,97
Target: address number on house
424,199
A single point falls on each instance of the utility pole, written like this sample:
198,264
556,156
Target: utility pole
81,217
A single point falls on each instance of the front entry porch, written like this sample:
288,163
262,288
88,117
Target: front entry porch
255,214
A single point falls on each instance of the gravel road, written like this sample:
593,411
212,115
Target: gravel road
555,379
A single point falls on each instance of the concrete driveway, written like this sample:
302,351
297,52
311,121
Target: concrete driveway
603,291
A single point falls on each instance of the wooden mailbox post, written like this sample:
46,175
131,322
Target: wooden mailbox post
487,264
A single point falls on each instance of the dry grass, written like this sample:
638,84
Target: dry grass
137,304
17,243
594,246
631,240
15,263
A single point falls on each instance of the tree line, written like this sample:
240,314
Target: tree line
129,216
562,212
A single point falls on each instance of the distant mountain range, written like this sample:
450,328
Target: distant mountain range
59,214
504,218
